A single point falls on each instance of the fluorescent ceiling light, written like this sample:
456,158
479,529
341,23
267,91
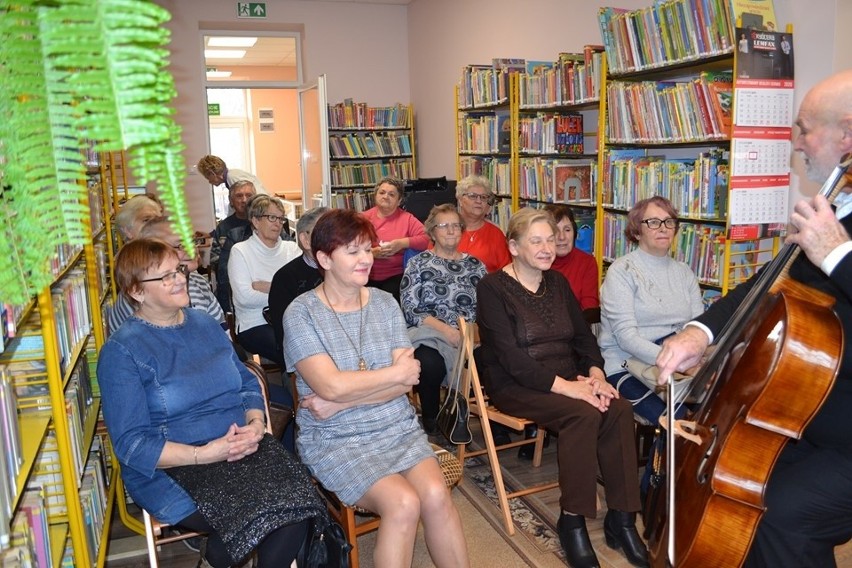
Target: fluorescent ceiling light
228,41
224,53
218,74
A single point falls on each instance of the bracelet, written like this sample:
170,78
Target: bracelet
195,454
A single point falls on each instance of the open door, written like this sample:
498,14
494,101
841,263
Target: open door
313,126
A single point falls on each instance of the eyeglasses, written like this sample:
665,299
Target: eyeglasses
169,278
478,197
448,226
655,223
274,218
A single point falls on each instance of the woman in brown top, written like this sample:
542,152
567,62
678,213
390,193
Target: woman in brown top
542,362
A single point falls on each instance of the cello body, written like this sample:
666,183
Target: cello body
762,391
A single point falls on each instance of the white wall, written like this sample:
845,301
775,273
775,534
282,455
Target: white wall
446,35
383,54
363,48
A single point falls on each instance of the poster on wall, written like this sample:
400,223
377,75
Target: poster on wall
761,138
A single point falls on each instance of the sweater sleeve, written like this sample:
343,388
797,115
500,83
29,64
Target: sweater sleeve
588,293
410,290
239,273
417,237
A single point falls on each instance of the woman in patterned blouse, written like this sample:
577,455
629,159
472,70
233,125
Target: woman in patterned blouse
438,287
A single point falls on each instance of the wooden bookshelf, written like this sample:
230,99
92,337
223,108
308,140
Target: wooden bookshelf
366,144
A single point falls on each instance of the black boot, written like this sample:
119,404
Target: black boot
575,541
620,532
526,452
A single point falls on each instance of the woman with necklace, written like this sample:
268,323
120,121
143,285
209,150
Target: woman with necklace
358,434
396,231
542,362
438,287
481,238
186,420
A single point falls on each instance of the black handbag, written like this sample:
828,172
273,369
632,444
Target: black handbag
453,418
454,413
325,548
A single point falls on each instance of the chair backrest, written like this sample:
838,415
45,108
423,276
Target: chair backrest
277,416
471,383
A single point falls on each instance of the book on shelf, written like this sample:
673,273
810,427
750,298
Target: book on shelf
585,219
757,14
503,129
511,65
572,183
569,133
721,88
32,505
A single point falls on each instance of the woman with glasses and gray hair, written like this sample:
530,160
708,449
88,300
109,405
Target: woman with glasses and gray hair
251,267
438,287
480,238
647,295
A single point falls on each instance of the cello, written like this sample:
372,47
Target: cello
751,398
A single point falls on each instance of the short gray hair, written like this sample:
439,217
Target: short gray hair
466,183
309,218
259,205
432,219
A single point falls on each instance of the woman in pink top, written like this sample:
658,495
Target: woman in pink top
580,268
397,230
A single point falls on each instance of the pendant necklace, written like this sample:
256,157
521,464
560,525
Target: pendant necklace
527,290
362,364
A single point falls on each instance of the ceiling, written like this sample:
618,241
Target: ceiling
267,52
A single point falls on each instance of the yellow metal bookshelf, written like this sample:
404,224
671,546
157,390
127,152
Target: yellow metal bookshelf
722,262
40,318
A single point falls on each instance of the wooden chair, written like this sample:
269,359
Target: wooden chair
154,529
480,406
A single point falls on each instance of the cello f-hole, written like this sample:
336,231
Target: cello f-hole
701,473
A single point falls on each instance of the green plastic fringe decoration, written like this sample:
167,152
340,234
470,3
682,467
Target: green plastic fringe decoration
76,74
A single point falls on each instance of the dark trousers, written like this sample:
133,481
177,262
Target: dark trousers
586,438
261,340
432,373
279,548
808,509
390,285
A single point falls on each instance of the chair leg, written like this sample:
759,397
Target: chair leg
348,518
539,446
497,474
149,539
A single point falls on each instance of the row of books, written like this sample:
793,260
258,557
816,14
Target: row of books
557,181
349,114
697,187
369,174
11,458
698,245
574,78
370,145
483,85
96,205
486,133
500,213
496,170
70,299
549,133
10,316
665,33
664,112
29,540
94,492
357,200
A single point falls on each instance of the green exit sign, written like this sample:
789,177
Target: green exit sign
251,9
212,109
